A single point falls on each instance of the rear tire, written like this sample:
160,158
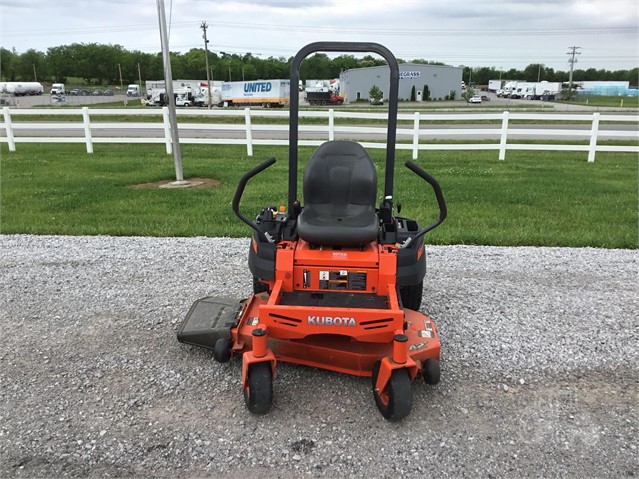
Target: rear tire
258,286
398,400
412,295
258,394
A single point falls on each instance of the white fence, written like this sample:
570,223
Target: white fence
414,138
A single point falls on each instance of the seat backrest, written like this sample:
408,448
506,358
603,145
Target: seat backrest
340,175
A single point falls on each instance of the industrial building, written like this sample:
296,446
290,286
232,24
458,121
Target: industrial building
431,82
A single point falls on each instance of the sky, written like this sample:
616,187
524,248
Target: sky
491,33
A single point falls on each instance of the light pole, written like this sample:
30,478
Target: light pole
170,99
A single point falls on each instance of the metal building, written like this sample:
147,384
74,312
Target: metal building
431,82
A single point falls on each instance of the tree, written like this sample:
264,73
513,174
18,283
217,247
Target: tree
29,61
375,94
7,64
469,92
413,97
316,67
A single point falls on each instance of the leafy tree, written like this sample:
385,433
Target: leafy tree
7,64
317,66
25,64
469,92
375,94
98,64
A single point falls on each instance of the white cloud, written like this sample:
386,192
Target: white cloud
477,33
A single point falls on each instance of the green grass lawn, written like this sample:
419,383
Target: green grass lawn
599,100
531,198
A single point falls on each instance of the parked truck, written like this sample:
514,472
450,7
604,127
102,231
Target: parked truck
202,98
323,96
546,90
21,88
521,89
157,97
494,85
133,90
265,93
58,89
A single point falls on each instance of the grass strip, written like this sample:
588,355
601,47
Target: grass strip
533,198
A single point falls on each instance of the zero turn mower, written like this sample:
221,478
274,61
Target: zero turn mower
337,282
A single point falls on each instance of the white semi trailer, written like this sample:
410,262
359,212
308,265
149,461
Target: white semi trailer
21,88
266,93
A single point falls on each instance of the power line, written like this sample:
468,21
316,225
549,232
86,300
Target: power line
337,30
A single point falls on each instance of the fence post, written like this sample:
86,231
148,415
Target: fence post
593,137
87,129
249,133
416,135
504,136
167,130
331,124
9,129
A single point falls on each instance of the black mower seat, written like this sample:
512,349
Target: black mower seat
340,187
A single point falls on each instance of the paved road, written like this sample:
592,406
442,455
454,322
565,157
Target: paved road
45,100
405,132
237,132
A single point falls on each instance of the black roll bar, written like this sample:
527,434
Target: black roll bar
294,109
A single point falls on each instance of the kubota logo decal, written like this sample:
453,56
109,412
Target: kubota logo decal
331,321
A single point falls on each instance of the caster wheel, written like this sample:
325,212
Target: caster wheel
258,394
431,371
396,403
222,350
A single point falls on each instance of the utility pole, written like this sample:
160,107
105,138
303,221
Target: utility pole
170,98
573,51
204,26
140,78
539,73
120,70
35,76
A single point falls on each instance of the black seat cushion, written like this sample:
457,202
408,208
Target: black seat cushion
340,188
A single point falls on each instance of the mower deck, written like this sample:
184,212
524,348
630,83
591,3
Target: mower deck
212,318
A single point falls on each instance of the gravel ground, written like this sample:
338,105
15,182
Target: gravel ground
539,372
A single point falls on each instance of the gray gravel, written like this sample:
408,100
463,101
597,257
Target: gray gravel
539,372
